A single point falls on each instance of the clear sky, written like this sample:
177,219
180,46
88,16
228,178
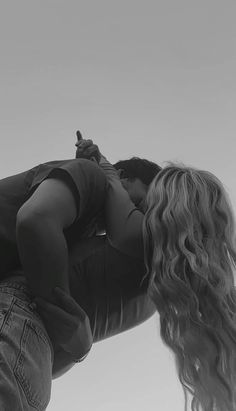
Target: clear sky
149,78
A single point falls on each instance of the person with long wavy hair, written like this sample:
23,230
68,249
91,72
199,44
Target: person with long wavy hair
185,232
190,256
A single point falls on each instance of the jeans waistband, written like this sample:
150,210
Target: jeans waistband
17,286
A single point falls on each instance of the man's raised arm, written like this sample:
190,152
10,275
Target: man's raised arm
123,220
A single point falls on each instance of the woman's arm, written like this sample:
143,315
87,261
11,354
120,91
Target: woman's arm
123,219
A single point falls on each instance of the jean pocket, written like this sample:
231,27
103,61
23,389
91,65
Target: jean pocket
33,368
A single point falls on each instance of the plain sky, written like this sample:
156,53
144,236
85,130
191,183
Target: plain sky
155,79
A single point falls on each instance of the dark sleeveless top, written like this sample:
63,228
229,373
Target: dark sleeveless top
106,275
88,183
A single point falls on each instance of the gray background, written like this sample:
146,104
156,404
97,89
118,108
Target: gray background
154,79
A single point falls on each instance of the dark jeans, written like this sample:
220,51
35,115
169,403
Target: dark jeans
26,353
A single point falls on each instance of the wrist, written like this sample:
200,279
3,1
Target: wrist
110,171
103,159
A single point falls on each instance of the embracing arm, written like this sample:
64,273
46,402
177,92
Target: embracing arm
122,219
52,208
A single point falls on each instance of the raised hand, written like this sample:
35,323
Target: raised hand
87,149
67,324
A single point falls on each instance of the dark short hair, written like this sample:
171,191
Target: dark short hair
140,168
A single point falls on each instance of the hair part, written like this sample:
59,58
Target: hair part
190,256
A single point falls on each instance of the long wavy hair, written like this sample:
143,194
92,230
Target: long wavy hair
190,257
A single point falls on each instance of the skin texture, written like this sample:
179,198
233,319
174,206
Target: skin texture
137,191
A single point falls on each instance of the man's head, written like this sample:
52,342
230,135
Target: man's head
136,174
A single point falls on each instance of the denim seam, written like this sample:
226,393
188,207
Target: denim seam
19,287
20,377
34,315
7,315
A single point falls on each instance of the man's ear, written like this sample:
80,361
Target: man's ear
120,172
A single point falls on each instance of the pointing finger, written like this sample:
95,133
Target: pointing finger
79,135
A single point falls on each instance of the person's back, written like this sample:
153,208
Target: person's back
15,191
110,285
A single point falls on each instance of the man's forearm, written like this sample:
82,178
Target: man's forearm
44,255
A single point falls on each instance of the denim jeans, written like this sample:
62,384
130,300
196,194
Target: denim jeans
26,353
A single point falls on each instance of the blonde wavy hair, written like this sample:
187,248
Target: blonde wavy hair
190,257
